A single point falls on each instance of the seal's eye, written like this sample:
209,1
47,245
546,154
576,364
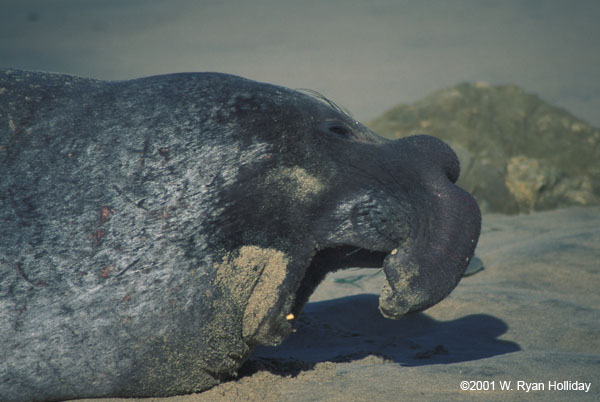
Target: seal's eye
340,130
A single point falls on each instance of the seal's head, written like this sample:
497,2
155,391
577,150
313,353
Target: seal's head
328,193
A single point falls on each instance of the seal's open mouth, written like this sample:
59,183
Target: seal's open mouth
330,260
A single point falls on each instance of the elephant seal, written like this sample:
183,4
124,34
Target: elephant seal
154,231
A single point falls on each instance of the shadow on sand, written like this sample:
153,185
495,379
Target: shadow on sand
351,328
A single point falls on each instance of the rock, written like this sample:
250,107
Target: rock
518,153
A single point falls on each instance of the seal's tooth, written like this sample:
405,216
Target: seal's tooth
289,317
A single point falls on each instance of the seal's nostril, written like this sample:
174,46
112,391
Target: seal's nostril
452,167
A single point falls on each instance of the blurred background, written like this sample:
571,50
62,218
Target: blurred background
365,55
513,86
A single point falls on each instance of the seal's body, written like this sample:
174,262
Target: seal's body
153,231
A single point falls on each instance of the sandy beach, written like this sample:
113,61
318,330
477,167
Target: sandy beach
529,322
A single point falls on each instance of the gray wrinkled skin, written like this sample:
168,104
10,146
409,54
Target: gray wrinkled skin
154,231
